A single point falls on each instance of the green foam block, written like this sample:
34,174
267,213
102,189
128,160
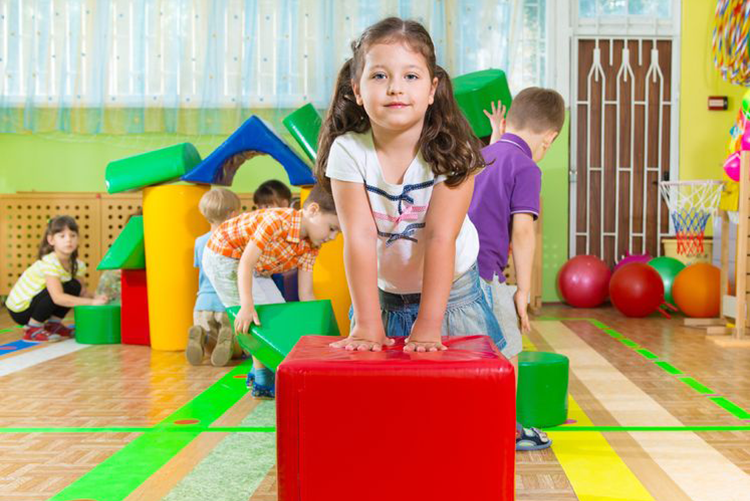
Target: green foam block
127,252
147,169
304,126
98,324
542,389
475,92
282,325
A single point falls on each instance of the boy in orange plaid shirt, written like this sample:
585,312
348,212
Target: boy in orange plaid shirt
245,251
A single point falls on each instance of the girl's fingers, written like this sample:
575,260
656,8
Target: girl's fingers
421,347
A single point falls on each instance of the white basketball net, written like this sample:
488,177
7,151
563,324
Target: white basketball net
691,203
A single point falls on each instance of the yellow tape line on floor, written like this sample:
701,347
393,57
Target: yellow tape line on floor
593,468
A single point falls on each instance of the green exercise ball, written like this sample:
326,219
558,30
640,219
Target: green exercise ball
668,268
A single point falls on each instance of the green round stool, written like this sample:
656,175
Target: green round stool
542,389
98,324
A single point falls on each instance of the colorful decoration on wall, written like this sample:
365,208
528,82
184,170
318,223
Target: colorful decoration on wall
730,41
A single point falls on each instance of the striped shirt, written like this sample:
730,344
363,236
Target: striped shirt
34,280
276,232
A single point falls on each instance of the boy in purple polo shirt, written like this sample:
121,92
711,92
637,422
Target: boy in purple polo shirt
503,209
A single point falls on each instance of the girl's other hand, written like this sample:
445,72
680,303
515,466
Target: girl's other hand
423,340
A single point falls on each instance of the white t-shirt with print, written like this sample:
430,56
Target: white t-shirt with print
399,211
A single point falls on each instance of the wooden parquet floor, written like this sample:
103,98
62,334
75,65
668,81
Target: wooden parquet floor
114,386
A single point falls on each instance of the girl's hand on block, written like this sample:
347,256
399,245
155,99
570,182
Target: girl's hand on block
245,317
99,300
424,340
362,339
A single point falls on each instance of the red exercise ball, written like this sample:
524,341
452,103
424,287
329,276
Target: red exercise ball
636,290
583,281
697,290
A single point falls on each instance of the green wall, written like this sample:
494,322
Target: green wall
62,162
555,167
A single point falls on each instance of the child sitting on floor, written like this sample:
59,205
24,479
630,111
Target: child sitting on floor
211,322
47,290
243,252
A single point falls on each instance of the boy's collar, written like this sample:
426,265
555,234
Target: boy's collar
509,137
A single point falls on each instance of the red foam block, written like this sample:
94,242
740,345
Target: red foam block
395,426
134,316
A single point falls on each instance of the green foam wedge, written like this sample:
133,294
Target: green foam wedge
282,325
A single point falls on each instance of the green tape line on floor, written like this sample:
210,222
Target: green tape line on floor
602,429
119,475
668,367
628,343
171,429
647,354
730,407
697,386
722,402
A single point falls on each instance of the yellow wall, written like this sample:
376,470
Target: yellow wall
704,134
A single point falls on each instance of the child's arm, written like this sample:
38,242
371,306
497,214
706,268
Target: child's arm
305,285
60,298
497,120
360,264
523,239
448,207
247,314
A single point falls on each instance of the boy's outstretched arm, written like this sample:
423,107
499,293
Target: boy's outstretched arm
361,266
247,314
445,216
523,239
497,121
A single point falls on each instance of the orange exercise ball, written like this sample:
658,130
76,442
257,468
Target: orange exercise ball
696,290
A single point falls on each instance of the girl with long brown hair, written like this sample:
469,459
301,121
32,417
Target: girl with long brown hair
47,290
400,158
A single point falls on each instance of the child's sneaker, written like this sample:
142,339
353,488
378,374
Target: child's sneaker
223,350
195,346
250,379
40,334
263,392
59,328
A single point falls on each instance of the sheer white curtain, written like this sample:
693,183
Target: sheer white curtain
202,66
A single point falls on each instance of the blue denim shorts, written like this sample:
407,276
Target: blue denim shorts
467,314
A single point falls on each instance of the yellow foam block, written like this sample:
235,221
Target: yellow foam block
329,277
171,223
